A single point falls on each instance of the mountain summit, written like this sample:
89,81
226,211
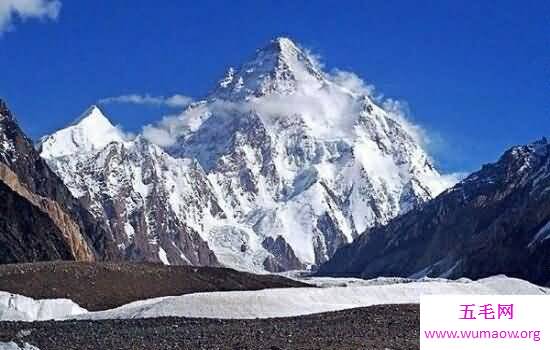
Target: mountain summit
92,131
274,170
276,68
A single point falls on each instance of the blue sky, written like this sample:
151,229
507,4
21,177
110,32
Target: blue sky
474,74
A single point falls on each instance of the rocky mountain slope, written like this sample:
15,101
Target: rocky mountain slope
150,201
496,221
40,220
275,169
105,285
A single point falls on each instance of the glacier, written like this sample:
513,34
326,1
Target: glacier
14,346
15,307
331,294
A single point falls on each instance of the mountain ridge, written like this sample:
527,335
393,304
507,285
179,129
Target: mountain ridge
51,224
294,162
493,222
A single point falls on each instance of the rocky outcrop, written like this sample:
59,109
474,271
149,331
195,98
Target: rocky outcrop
65,224
282,258
496,221
27,233
26,174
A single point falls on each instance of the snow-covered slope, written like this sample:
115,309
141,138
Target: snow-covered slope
303,155
14,307
301,301
493,222
290,162
91,132
152,203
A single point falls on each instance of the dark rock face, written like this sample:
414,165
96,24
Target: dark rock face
106,285
26,174
26,233
332,234
496,221
283,258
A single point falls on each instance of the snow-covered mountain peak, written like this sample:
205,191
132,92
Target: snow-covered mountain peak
92,114
284,43
285,50
91,132
278,67
278,167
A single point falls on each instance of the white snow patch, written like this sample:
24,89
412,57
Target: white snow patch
163,256
92,132
335,294
288,302
13,346
129,229
542,235
14,307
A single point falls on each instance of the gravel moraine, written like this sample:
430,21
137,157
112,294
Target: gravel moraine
384,327
102,285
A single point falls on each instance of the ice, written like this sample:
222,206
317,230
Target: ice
301,301
541,235
14,346
332,294
163,257
14,307
92,131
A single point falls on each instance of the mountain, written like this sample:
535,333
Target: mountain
496,221
275,169
148,200
39,219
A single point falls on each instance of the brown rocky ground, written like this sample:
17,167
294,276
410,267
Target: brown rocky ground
100,286
384,327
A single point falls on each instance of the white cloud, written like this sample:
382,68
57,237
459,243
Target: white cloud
329,110
26,9
399,110
160,136
170,101
444,181
351,82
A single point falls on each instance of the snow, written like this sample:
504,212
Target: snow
375,163
14,346
334,294
137,174
92,131
277,146
7,148
163,257
226,242
288,302
542,235
130,232
14,307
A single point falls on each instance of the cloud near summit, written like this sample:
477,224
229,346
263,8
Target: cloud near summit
171,101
